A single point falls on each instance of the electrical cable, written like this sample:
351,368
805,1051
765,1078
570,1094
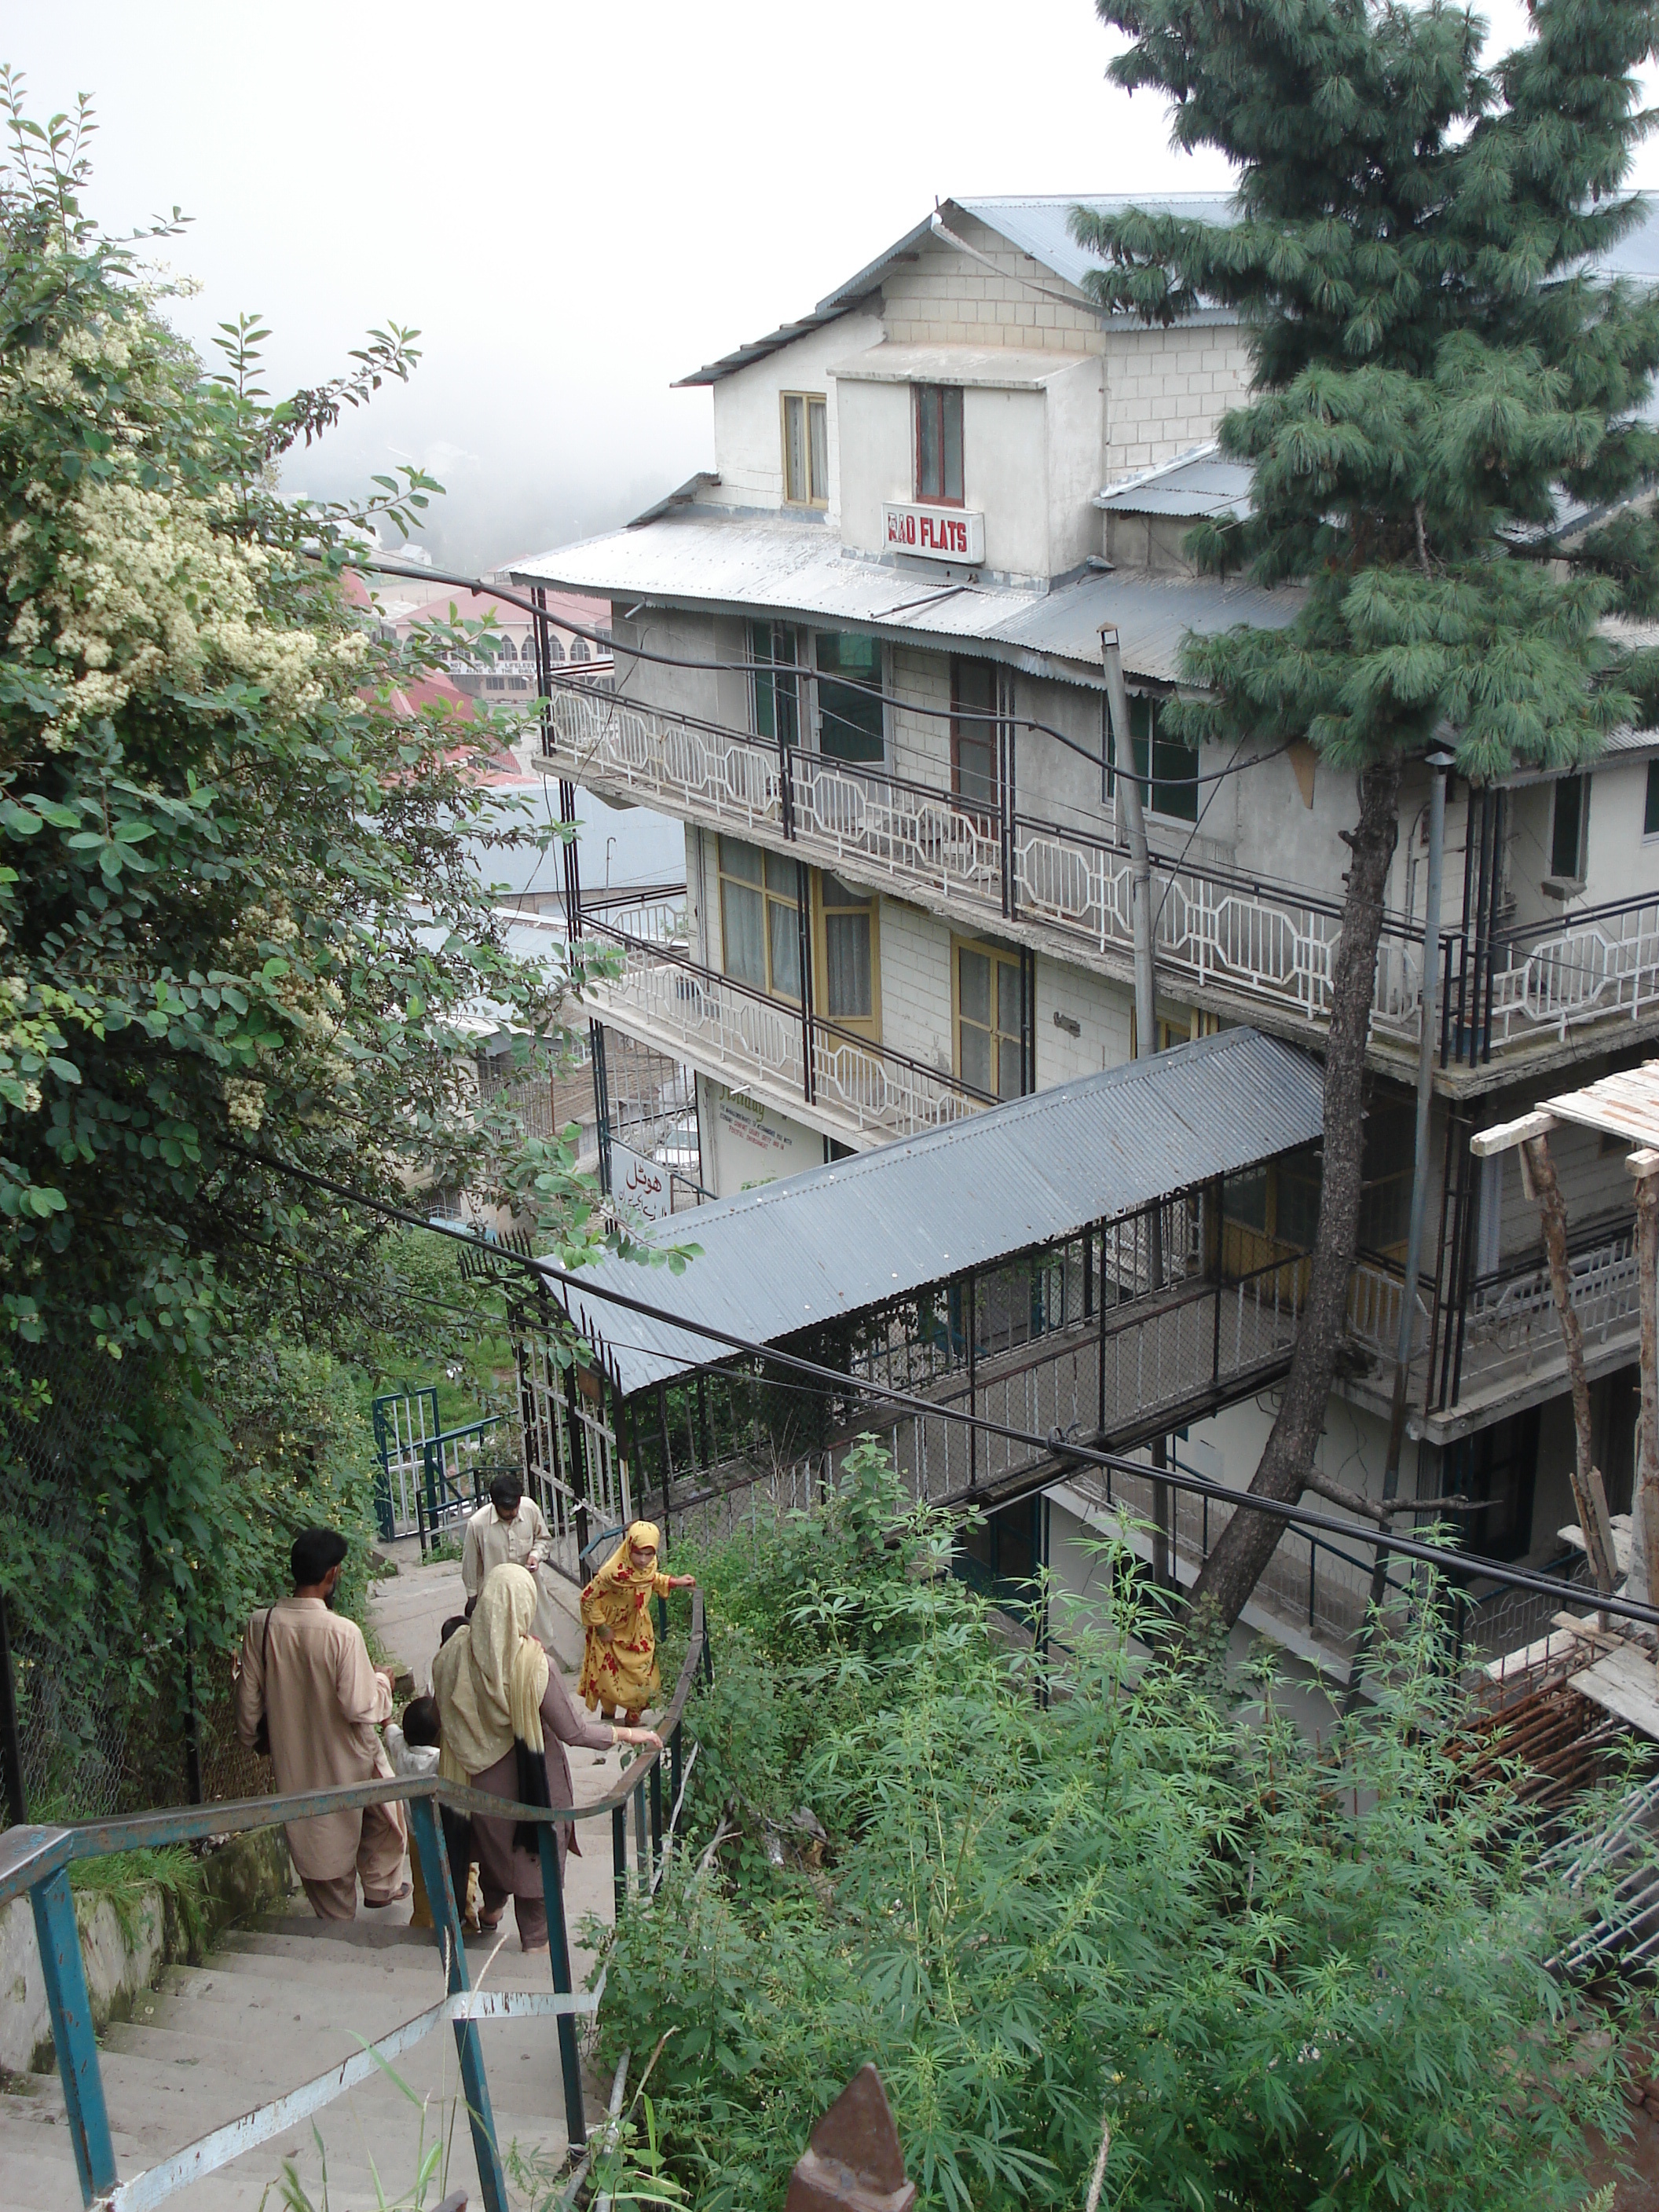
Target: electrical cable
789,669
1083,1455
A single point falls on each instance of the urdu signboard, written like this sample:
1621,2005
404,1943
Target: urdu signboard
934,533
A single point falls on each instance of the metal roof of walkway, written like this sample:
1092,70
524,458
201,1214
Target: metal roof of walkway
858,1233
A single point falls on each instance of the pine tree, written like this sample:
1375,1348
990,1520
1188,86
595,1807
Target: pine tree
1438,376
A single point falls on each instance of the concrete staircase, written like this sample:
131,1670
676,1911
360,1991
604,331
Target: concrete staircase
277,2005
272,2007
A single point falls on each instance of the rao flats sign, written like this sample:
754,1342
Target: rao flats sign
935,533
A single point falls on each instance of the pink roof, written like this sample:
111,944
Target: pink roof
563,608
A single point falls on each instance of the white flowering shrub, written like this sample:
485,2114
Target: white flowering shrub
241,928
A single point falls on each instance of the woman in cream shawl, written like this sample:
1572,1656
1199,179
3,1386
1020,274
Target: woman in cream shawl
504,1719
619,1665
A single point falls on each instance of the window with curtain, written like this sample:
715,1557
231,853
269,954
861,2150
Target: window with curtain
806,449
1168,779
990,1020
760,919
849,928
851,720
973,735
776,686
939,443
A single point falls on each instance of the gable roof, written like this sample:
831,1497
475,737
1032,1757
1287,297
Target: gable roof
776,565
1040,227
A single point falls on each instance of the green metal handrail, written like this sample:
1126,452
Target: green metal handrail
37,1858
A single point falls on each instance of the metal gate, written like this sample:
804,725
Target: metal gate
572,1467
431,1478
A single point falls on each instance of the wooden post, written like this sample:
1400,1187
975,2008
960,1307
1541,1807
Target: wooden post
854,2162
1645,1515
1589,1494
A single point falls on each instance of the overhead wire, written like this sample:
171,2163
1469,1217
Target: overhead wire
1055,1443
798,671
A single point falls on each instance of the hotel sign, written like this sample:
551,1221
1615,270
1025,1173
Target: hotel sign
935,533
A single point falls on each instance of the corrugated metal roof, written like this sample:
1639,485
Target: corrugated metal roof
1042,226
1197,482
1039,226
845,1238
695,557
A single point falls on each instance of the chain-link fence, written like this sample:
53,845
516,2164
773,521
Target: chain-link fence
109,1718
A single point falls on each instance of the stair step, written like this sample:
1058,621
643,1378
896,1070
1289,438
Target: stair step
298,1937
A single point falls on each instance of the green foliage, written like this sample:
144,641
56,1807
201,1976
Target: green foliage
1432,370
1287,1974
243,932
126,1881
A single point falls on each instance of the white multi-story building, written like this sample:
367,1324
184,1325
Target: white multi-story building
860,658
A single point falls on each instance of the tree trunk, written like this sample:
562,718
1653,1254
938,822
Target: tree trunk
1234,1568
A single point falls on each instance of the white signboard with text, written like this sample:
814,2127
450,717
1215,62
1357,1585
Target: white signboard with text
935,533
639,1184
752,1145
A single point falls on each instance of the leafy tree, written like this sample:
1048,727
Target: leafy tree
1285,1974
242,927
1435,373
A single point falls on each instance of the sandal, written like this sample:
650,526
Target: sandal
396,1897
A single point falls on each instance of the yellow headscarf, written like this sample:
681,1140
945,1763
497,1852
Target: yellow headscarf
619,1572
490,1678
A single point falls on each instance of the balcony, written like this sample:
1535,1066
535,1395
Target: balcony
1253,948
1500,1346
847,1086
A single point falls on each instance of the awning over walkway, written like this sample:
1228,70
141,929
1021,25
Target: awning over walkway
845,1238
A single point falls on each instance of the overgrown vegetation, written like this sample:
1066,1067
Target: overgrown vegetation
242,923
1285,1973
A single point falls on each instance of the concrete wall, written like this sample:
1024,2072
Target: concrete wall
1166,390
942,298
122,1953
748,414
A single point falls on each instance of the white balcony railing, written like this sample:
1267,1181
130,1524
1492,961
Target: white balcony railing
754,1041
1510,1329
1253,938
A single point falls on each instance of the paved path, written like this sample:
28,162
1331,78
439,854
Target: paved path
275,2006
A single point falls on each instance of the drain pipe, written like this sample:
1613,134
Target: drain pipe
1440,762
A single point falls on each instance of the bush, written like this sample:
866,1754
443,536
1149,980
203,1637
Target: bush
1284,1973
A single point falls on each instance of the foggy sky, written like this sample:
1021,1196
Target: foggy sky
574,206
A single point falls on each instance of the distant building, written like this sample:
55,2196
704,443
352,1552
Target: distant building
502,666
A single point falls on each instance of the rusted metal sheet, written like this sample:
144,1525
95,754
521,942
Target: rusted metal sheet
854,2162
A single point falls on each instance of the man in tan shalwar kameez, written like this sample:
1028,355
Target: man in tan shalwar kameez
510,1532
308,1673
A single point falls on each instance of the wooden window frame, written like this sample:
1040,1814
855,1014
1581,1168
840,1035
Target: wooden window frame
921,394
815,498
858,1025
768,898
1152,783
968,803
1010,954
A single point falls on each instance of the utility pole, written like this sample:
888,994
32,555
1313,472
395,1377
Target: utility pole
1440,762
1128,783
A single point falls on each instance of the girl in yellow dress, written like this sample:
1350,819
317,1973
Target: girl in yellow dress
619,1665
